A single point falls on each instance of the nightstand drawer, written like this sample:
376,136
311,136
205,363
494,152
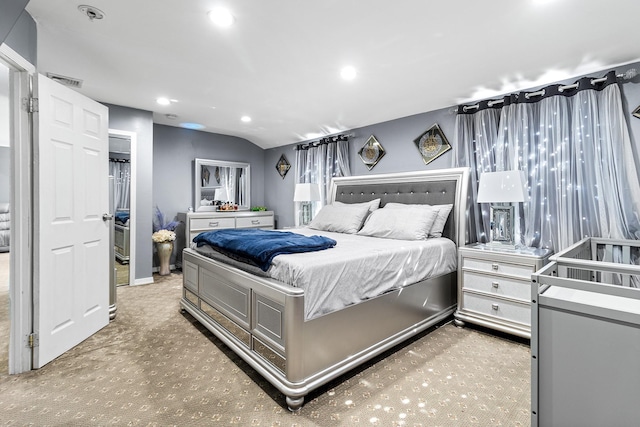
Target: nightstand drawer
212,223
518,270
497,285
502,309
255,222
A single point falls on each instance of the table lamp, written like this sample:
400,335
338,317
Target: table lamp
305,194
504,187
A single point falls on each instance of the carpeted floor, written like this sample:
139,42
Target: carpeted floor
154,366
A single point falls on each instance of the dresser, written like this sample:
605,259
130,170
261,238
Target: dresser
194,223
494,286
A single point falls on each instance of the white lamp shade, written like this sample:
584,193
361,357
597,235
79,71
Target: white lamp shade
502,187
221,194
306,193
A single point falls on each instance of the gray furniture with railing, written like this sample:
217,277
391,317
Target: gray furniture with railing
585,336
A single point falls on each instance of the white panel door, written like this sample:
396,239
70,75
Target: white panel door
71,241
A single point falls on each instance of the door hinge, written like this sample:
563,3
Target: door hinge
30,105
34,341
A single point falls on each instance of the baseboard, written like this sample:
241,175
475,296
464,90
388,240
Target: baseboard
143,281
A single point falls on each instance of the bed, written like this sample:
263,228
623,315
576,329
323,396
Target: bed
267,323
585,335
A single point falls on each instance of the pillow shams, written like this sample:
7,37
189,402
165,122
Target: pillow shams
403,224
340,219
372,205
441,220
438,224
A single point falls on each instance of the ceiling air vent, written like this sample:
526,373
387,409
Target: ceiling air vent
64,80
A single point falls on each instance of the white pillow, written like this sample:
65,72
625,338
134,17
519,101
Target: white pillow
341,219
373,204
441,219
403,224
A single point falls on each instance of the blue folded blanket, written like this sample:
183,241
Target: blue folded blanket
122,217
259,247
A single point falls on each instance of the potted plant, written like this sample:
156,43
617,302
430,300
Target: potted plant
163,236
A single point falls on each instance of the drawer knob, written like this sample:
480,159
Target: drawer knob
255,221
495,285
213,224
494,267
494,307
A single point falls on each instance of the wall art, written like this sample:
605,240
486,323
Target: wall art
432,144
371,152
283,166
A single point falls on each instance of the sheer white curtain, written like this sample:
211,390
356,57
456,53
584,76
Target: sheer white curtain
573,144
318,163
121,172
477,135
228,182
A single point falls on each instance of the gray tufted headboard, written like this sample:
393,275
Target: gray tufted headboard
434,187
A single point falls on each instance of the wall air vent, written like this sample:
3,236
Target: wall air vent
64,80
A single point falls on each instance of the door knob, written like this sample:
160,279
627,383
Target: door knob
107,217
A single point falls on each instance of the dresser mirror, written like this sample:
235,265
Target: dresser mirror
222,185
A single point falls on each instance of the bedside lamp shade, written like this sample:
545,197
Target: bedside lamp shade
502,187
306,193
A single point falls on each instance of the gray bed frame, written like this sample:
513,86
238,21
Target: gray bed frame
262,320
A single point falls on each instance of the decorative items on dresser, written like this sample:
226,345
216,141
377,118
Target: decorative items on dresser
194,223
494,286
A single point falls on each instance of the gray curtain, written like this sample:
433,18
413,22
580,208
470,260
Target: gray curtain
121,172
318,163
573,144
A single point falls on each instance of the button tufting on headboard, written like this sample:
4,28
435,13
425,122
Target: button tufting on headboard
407,190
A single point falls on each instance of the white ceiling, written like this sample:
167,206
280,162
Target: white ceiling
280,62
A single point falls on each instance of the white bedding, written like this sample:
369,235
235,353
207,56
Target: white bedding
357,268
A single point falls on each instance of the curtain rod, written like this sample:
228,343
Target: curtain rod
627,75
324,140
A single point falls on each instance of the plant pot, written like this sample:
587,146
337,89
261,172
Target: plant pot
165,249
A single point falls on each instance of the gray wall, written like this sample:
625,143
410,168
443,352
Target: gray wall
23,35
401,155
11,11
397,137
140,122
174,151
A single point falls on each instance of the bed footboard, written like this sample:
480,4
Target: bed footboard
262,320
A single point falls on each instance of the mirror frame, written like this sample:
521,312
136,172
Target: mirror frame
221,163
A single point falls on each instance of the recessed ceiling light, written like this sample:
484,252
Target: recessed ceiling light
348,73
222,17
193,126
245,119
163,101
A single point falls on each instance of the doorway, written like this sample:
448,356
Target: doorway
5,215
122,146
